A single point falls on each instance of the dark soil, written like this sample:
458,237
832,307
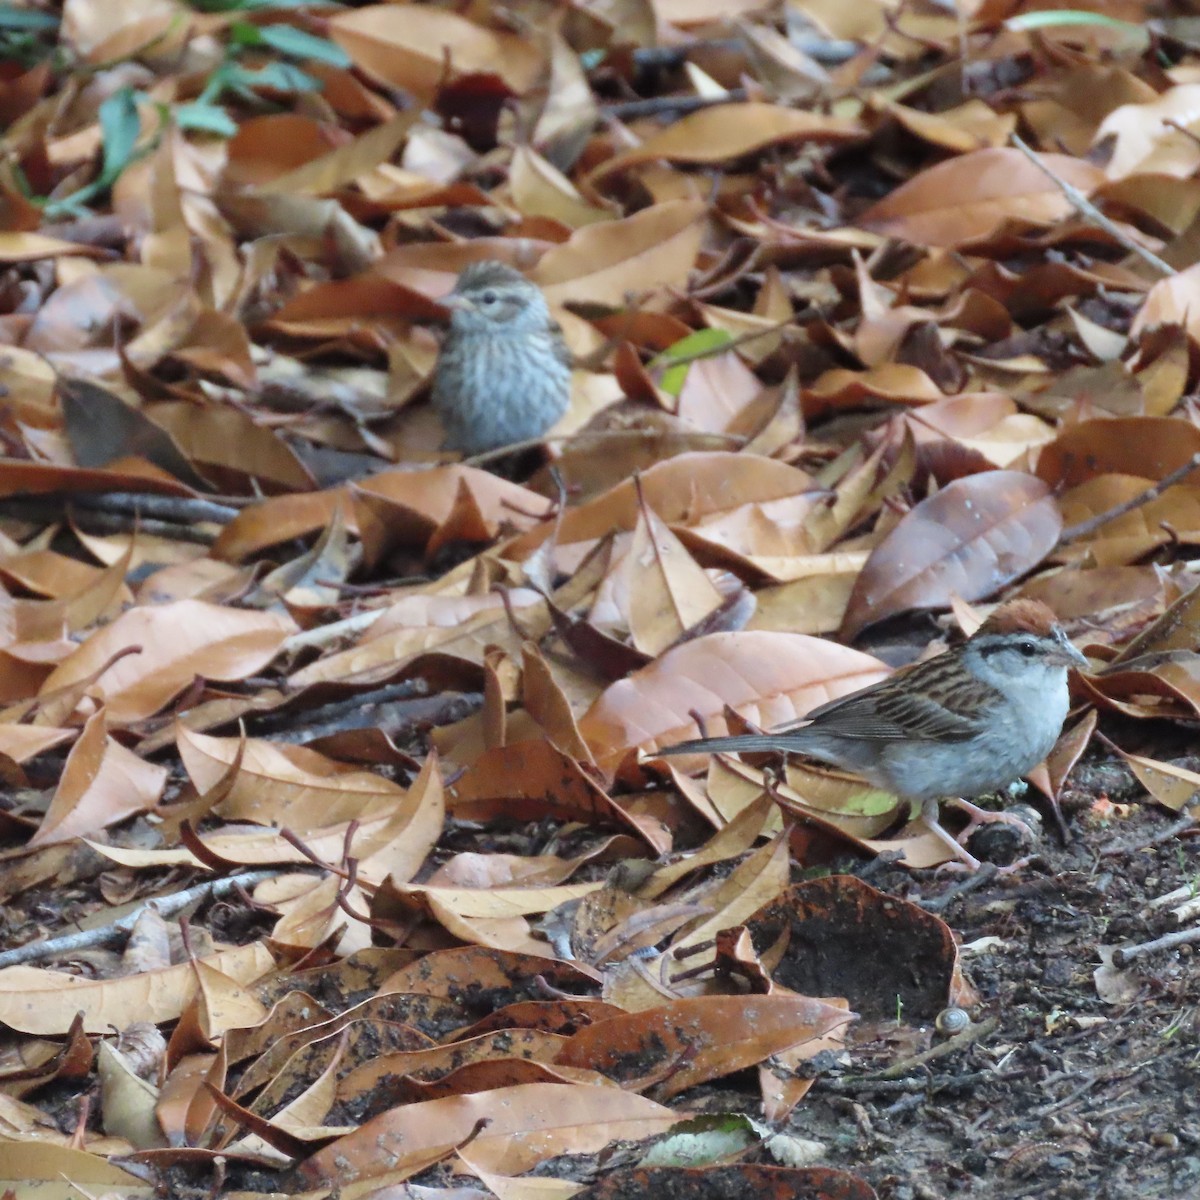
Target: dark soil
1069,1096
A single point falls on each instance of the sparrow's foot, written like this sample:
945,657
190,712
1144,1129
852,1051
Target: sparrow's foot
982,816
961,868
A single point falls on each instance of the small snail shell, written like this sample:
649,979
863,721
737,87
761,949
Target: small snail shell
951,1021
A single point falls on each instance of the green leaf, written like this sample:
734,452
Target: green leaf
1134,35
205,118
1067,16
282,77
242,33
298,44
677,358
30,19
870,802
120,127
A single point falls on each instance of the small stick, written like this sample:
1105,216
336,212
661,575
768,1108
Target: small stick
1075,532
1171,832
676,106
477,460
1083,205
824,50
1126,954
986,873
182,509
322,635
933,1083
165,906
958,1042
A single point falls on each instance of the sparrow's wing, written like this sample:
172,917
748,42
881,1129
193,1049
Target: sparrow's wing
558,343
924,702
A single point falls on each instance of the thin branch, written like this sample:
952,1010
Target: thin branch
959,1042
166,906
1083,205
1169,834
183,509
826,51
1126,954
986,873
478,460
93,520
322,635
676,106
1074,532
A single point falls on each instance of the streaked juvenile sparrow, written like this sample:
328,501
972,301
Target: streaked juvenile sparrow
964,723
504,372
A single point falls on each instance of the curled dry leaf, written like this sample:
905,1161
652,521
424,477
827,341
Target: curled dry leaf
769,678
682,491
177,643
285,785
524,1124
686,1042
1149,447
1171,517
972,195
607,262
969,540
842,937
46,1002
408,45
728,131
102,784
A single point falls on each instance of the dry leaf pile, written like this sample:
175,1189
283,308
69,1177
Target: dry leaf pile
879,311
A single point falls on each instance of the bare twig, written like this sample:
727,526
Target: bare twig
825,50
676,106
1172,831
165,906
1083,205
971,883
93,520
183,509
1126,954
1074,532
922,1085
322,635
960,1041
478,460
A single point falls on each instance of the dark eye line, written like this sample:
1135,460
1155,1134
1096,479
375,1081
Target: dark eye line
1025,649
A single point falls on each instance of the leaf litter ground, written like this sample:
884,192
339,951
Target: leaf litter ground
849,350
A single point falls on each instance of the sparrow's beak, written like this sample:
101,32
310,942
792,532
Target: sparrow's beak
455,303
1066,655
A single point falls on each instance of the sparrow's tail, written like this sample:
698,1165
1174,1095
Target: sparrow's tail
721,745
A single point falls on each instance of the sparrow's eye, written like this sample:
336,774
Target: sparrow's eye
488,297
1027,649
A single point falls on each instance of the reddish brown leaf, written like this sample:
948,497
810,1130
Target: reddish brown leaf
973,537
770,678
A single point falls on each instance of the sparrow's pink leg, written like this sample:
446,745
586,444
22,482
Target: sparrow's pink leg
982,816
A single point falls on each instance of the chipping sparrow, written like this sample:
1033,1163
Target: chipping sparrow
504,372
964,723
